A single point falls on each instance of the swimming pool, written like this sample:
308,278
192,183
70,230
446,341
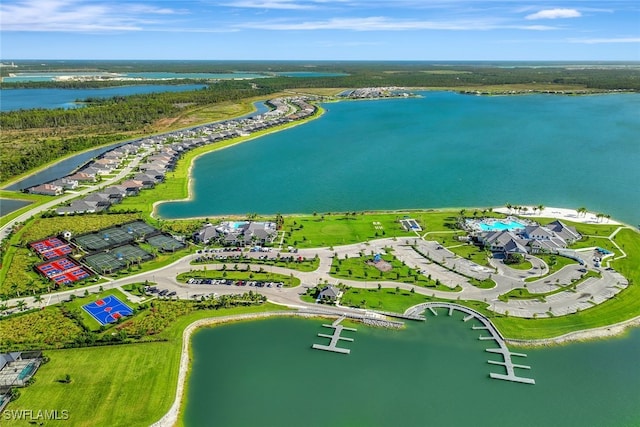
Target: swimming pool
237,224
501,225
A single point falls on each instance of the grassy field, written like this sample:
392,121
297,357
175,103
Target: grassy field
384,299
128,385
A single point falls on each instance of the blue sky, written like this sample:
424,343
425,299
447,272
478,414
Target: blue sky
321,29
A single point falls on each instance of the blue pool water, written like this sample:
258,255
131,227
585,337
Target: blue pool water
501,226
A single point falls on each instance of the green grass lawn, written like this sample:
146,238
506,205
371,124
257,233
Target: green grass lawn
554,262
384,299
359,269
472,253
121,385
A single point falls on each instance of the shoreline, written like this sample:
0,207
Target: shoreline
600,333
189,176
171,417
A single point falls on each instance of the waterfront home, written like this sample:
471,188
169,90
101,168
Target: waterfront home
146,180
92,170
66,183
82,177
47,190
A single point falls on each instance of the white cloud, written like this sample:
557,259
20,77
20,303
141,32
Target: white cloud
554,14
78,16
379,23
270,4
607,40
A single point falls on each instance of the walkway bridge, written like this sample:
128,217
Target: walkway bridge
494,335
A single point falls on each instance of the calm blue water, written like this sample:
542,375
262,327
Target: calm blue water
433,373
62,168
9,205
442,150
16,99
500,226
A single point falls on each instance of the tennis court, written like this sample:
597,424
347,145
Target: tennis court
139,228
63,271
51,247
116,259
104,263
104,239
107,310
165,243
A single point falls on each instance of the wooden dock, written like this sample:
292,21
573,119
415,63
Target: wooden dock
335,338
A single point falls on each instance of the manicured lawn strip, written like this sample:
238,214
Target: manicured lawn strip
35,199
554,262
289,281
384,299
524,265
446,238
523,293
590,241
120,385
472,253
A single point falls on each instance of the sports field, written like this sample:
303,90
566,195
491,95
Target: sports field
108,309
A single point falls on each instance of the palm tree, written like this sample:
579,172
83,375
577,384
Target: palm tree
38,299
21,304
540,209
508,206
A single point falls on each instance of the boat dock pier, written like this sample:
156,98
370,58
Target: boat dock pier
335,338
494,335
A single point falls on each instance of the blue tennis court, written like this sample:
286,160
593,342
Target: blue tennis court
108,309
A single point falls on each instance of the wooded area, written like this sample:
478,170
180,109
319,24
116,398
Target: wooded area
32,138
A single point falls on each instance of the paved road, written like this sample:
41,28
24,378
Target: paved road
588,293
5,229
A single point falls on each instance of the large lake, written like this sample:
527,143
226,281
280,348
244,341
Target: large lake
435,373
16,99
441,150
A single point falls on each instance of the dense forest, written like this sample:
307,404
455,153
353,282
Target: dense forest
108,120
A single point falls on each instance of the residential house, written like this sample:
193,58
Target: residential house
78,207
66,183
82,177
47,190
